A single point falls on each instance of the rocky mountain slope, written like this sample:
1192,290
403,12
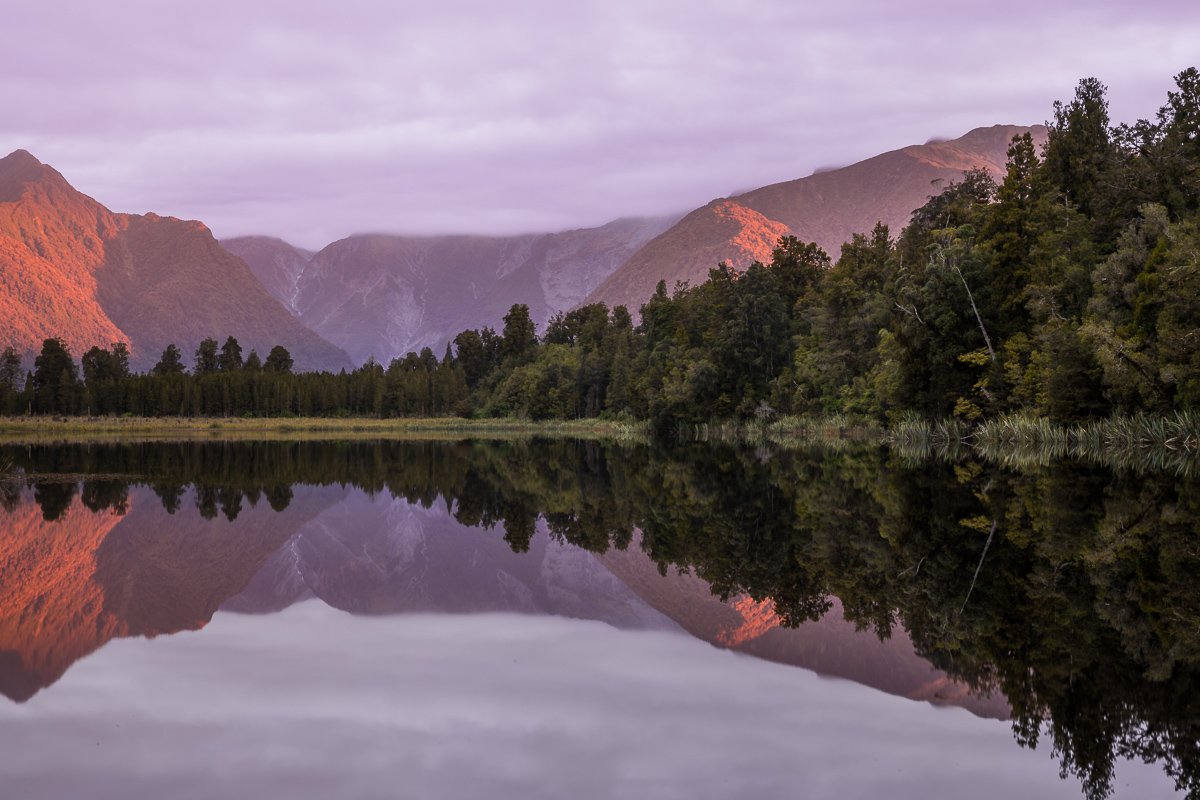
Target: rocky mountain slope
381,296
826,208
277,265
72,269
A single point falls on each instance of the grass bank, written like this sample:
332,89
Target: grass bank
18,430
1141,442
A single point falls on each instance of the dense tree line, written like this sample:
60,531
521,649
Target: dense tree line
223,383
1071,289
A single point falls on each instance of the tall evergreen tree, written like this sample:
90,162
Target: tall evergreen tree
278,360
206,357
170,363
55,376
520,335
230,357
10,370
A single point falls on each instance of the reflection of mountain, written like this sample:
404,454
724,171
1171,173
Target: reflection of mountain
830,646
379,555
49,601
68,586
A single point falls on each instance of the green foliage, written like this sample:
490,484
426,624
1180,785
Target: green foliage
171,362
206,357
279,360
10,379
55,381
230,357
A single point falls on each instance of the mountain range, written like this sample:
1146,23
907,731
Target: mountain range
381,296
71,268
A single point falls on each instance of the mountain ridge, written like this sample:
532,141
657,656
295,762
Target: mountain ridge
827,207
72,269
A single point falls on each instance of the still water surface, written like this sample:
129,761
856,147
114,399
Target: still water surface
548,619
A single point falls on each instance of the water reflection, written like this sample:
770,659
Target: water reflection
1065,589
311,703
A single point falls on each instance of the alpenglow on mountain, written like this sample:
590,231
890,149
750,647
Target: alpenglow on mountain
827,208
72,269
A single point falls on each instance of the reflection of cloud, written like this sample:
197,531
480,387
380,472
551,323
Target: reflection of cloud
314,703
282,118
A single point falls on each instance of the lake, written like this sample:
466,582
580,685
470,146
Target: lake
551,618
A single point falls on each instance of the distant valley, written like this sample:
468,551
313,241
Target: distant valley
381,296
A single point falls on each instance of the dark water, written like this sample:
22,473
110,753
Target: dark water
529,619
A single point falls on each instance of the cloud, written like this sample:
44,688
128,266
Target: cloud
296,120
315,703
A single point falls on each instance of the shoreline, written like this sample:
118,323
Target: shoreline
19,430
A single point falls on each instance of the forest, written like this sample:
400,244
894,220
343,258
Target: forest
1069,290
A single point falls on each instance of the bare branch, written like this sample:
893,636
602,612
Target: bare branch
986,339
912,312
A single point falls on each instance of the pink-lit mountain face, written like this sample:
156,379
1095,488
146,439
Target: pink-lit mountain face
72,269
827,208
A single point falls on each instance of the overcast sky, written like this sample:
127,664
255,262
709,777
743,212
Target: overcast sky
315,120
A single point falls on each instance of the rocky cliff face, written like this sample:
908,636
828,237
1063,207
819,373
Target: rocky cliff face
827,208
277,265
72,269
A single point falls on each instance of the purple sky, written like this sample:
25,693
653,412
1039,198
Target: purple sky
314,120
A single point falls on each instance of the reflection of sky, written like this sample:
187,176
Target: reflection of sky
315,703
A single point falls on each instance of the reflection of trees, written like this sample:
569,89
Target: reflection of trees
1068,589
54,498
106,495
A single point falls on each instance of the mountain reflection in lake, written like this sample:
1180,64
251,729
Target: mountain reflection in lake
1061,595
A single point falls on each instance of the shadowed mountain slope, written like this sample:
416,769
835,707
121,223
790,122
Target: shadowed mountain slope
381,295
